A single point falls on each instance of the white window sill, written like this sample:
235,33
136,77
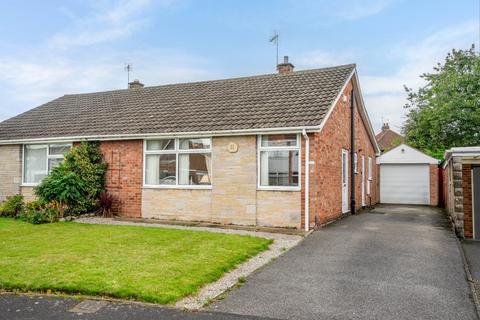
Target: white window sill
29,184
266,188
179,187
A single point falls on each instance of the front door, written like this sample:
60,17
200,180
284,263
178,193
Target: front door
344,181
476,202
363,181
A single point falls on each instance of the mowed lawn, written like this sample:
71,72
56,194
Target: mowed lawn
149,264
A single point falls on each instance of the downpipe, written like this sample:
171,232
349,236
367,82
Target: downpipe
352,152
307,179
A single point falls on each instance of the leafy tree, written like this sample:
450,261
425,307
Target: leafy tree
78,180
445,112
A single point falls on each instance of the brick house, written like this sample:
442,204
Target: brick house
388,139
270,150
461,189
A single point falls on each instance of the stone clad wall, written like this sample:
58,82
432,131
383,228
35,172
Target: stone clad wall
10,170
177,204
457,213
234,193
233,199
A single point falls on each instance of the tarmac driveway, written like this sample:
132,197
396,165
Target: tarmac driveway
397,262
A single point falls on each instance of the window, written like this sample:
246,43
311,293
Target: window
40,159
279,161
178,162
355,163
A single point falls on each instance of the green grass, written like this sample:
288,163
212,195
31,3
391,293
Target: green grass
147,264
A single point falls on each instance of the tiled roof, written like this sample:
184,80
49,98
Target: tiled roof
295,99
388,139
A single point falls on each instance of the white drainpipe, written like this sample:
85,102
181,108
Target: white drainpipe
307,178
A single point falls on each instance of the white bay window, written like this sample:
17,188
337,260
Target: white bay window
279,161
40,159
178,162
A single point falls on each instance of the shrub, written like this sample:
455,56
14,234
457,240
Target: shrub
64,187
38,211
106,202
77,182
12,207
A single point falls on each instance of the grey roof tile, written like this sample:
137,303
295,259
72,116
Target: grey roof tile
296,99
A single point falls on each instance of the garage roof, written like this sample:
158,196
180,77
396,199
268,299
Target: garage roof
404,154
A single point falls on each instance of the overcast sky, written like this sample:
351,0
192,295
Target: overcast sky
51,48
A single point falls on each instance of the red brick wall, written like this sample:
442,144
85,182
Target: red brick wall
124,174
326,172
467,200
434,187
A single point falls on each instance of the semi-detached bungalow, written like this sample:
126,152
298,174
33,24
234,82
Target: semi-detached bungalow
270,150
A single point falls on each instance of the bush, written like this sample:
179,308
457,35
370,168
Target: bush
64,187
38,212
106,202
12,207
77,182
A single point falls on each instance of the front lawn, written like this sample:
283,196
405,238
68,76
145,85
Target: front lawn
148,264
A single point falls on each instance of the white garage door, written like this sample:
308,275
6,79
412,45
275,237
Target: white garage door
405,183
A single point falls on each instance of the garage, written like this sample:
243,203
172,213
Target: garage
408,176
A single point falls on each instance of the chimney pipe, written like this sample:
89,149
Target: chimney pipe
285,67
135,84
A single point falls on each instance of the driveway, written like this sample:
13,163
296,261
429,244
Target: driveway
396,262
30,307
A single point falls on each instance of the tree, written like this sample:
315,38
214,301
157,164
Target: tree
445,112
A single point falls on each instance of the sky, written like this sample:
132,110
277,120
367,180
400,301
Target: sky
50,48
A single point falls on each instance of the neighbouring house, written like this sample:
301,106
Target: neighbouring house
461,189
408,176
271,150
388,139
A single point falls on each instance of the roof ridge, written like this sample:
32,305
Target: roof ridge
343,66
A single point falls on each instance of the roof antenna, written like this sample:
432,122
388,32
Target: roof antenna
274,40
128,68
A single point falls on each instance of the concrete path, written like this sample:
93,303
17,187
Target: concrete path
397,262
23,307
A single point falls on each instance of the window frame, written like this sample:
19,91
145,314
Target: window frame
176,151
298,148
48,157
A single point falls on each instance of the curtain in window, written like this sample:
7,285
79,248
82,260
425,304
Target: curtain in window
264,171
35,163
152,168
184,169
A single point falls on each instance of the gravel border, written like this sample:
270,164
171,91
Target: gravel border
281,244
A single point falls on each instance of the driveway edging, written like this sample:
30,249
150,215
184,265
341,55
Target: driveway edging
468,273
470,280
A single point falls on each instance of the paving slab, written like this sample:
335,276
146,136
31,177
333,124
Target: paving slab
397,262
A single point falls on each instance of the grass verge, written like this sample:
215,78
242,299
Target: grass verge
147,264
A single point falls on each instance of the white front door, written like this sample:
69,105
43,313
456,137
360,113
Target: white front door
344,181
363,181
